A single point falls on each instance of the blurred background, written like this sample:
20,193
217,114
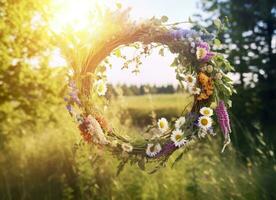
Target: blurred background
38,158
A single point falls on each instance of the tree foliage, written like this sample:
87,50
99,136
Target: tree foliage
250,38
27,85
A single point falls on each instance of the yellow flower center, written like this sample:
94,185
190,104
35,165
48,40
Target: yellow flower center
204,122
152,149
162,124
101,88
190,79
201,53
206,112
178,137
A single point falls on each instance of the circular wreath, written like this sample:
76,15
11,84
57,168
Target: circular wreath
199,70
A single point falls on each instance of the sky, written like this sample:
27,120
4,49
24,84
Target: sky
155,68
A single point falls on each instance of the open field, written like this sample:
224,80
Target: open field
141,108
46,165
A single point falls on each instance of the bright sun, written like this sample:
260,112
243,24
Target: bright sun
75,14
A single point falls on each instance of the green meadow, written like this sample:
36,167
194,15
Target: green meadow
51,163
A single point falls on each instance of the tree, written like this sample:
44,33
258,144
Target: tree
28,87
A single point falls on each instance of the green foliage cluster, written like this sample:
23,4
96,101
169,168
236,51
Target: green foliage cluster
29,89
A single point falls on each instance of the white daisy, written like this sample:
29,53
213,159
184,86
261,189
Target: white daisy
101,87
127,147
153,149
179,122
190,79
178,138
206,111
194,90
163,124
204,122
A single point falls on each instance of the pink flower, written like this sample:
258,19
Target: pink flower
203,52
224,122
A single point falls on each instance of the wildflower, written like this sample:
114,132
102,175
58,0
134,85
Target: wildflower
203,52
194,90
92,131
204,122
224,122
179,122
127,147
207,86
190,79
179,33
178,138
101,87
223,119
206,111
163,124
207,37
218,76
73,93
153,149
209,68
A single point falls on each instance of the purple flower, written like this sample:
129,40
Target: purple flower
207,37
73,93
69,108
223,119
203,52
182,33
167,148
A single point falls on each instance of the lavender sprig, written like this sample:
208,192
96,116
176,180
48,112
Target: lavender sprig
224,122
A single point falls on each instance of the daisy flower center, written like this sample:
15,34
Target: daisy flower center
204,122
162,124
101,88
190,79
178,137
206,112
152,148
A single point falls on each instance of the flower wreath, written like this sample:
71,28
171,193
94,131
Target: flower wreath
199,70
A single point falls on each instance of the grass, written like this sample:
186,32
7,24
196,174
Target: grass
143,108
46,165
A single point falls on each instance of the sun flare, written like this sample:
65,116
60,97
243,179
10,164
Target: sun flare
76,15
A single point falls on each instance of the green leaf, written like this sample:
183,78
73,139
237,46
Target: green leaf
217,23
141,164
217,42
118,53
121,167
177,159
